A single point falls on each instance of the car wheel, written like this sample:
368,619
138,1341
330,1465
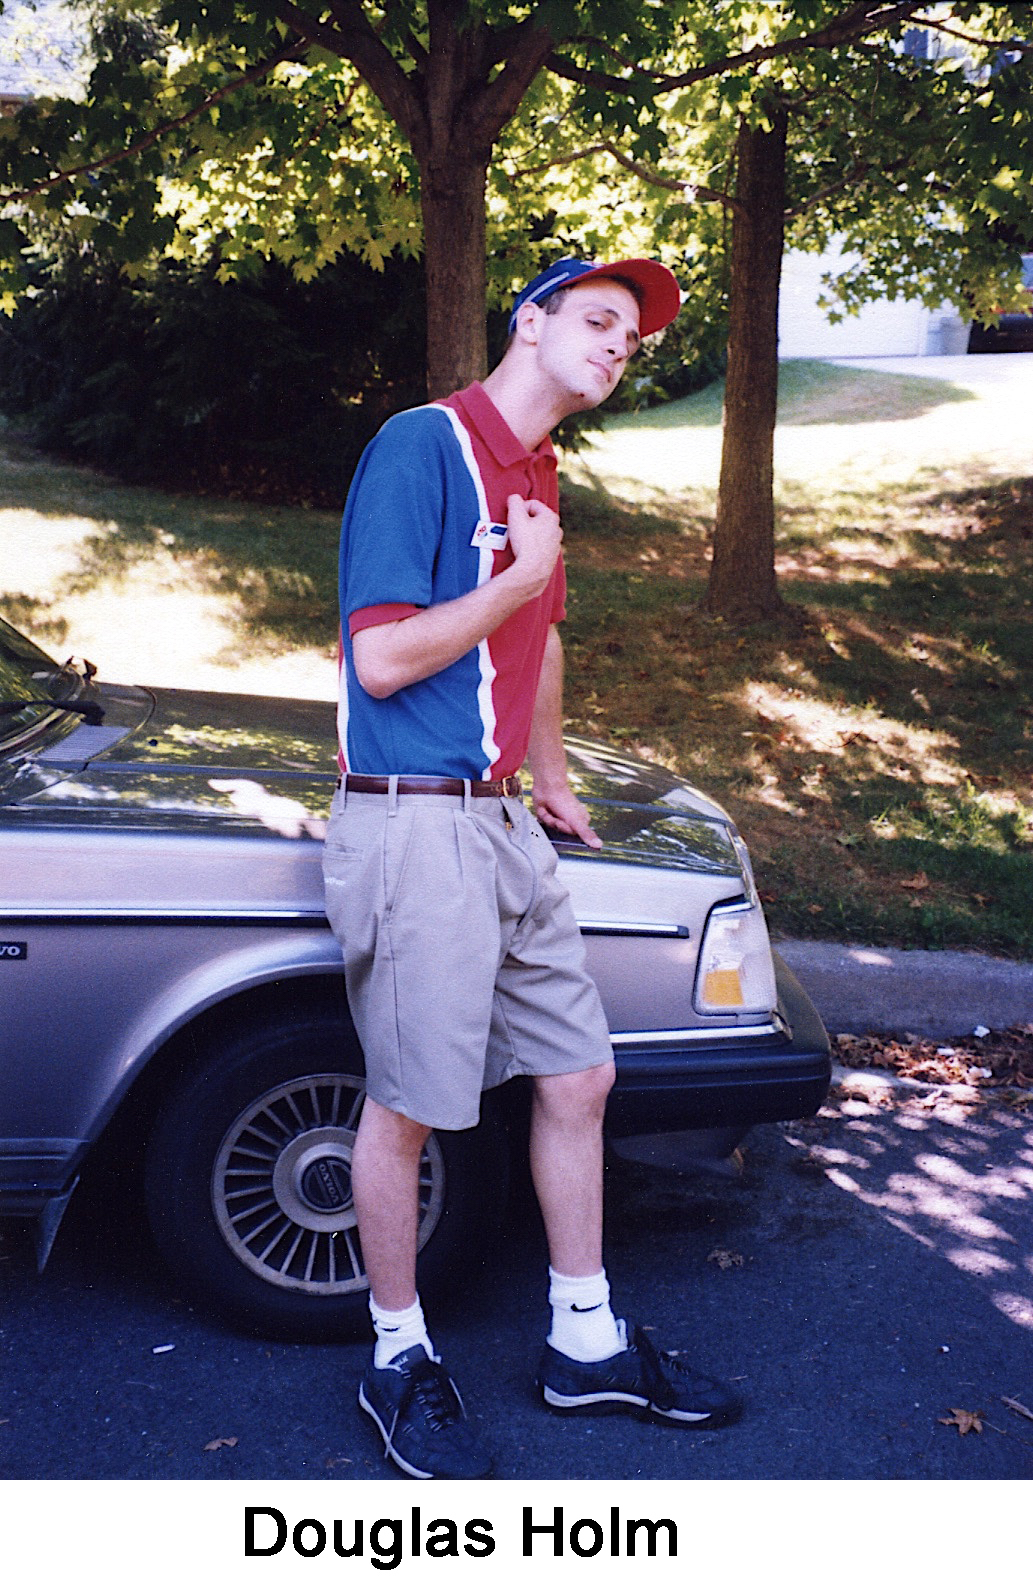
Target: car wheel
248,1184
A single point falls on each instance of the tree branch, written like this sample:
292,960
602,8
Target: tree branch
496,102
692,190
415,49
851,25
1019,46
352,38
288,52
853,177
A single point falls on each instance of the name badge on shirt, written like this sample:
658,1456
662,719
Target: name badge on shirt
490,535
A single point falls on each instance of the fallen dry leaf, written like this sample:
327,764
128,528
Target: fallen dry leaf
918,882
222,1443
726,1259
964,1421
1016,1405
1007,1053
807,1163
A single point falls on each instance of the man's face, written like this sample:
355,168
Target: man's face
584,346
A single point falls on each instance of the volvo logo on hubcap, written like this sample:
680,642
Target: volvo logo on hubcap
326,1185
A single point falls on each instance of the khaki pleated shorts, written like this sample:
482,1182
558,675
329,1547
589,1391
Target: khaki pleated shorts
463,961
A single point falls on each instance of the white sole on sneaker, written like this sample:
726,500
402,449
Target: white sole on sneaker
568,1402
390,1451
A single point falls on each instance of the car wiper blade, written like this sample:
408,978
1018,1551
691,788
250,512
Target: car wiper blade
93,713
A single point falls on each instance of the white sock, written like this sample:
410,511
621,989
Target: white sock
583,1327
398,1331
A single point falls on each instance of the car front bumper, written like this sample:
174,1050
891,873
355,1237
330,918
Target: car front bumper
731,1078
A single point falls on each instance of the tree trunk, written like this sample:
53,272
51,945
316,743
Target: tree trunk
470,80
742,585
452,198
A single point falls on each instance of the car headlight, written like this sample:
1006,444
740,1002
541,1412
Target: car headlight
735,973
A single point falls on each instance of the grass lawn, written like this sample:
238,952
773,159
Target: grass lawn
876,747
166,589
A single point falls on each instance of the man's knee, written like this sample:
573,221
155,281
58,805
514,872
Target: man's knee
389,1134
577,1094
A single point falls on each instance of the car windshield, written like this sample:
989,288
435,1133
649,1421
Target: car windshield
29,674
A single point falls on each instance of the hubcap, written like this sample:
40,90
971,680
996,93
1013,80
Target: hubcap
326,1185
281,1186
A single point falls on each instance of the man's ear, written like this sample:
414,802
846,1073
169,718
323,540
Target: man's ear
527,324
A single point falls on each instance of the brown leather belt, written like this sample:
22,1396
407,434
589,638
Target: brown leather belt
431,785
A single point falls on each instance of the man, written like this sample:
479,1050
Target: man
463,961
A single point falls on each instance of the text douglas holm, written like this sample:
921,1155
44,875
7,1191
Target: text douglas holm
540,1532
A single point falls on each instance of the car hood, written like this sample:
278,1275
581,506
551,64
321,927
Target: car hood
182,760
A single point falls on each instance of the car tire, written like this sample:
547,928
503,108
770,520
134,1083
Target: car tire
247,1182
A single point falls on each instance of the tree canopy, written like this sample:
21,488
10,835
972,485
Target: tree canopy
491,136
299,132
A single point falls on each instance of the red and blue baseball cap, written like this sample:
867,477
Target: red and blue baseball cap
659,291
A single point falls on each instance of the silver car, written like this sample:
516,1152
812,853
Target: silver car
171,996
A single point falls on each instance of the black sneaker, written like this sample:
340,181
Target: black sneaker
421,1418
639,1378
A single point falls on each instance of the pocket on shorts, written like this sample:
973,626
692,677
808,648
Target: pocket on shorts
398,843
344,890
340,846
337,839
351,877
544,851
336,859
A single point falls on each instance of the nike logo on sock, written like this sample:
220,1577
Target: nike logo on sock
596,1308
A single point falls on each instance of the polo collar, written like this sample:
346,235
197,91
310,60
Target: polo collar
479,410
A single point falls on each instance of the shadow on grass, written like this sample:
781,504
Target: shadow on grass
812,392
875,745
277,564
35,617
593,516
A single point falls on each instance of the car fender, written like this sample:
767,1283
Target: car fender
238,966
137,984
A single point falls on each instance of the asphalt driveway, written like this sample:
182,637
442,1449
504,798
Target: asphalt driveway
869,1274
1003,370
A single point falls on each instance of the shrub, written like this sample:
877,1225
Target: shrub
262,387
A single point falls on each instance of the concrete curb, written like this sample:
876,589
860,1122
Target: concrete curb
862,988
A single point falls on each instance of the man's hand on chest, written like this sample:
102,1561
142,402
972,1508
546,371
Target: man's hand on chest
535,537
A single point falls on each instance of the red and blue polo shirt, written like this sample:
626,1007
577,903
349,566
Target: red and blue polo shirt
424,523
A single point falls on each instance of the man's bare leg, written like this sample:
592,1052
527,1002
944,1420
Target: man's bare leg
409,1396
385,1184
589,1357
567,1165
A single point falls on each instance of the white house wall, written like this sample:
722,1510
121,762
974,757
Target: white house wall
880,329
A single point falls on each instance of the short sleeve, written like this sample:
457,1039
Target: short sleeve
394,515
380,615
